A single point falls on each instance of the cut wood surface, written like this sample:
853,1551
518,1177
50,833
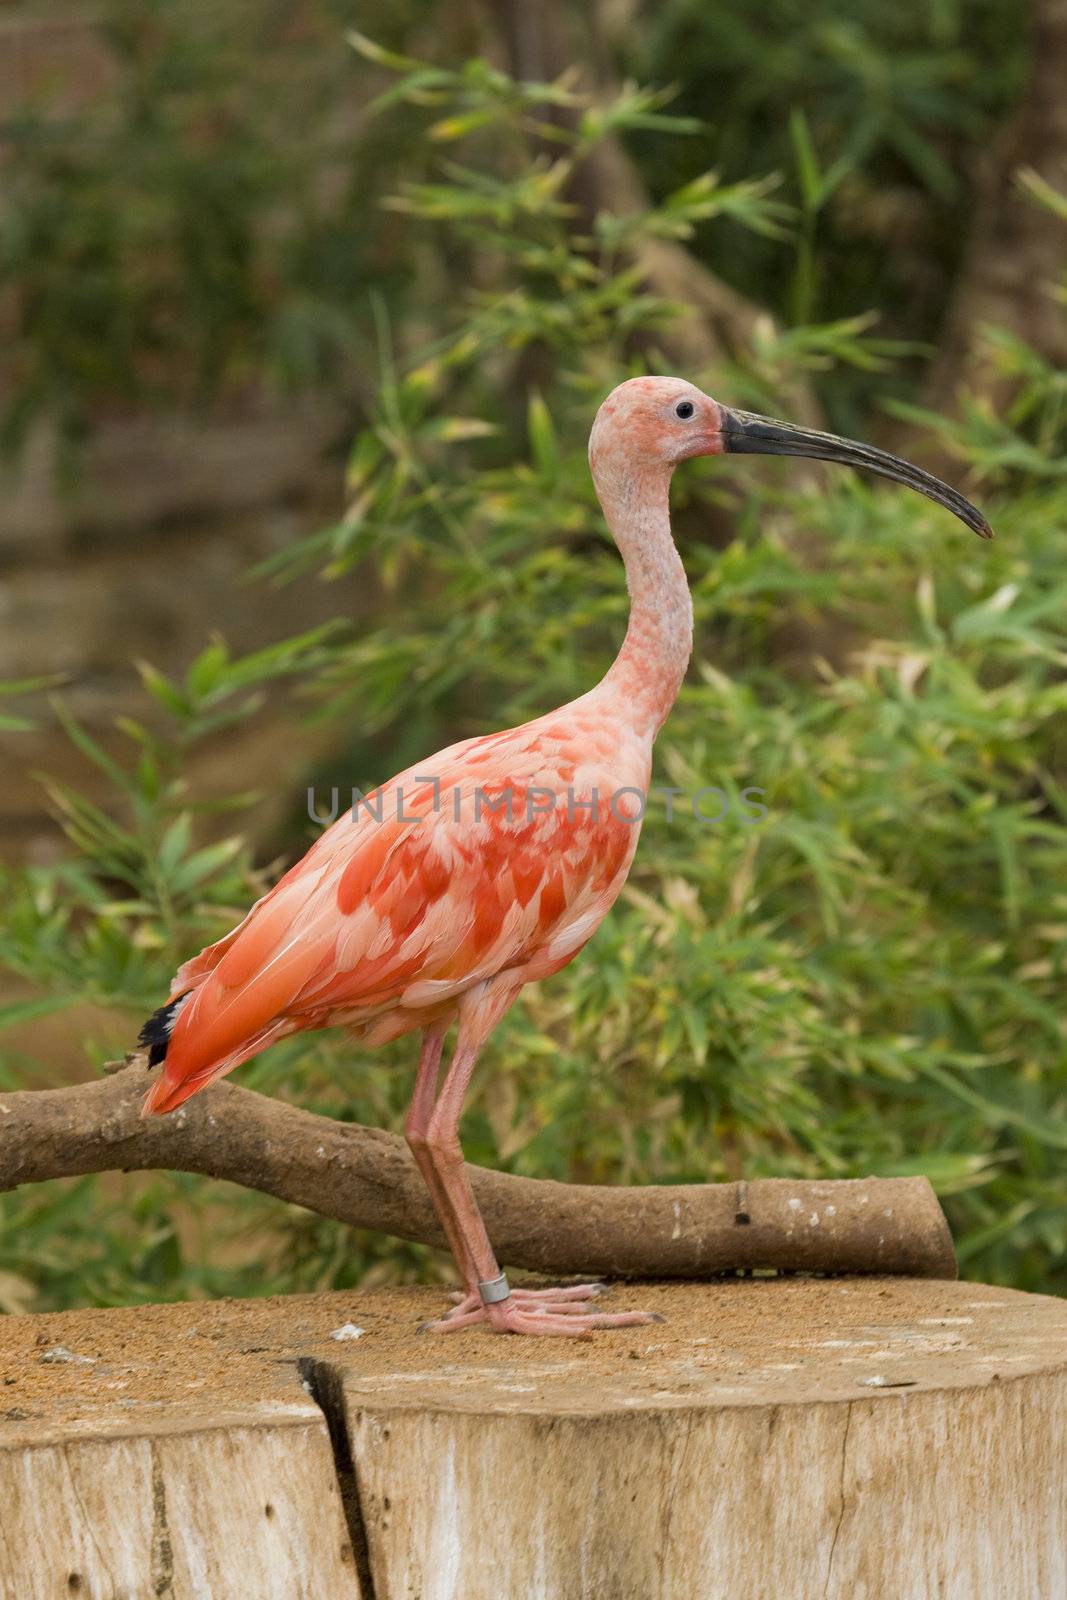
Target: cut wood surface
866,1439
366,1177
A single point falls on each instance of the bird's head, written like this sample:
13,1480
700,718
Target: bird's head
646,426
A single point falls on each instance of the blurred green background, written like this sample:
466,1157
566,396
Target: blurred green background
301,333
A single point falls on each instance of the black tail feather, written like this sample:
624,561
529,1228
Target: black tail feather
155,1035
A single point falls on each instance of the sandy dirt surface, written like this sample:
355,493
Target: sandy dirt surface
747,1342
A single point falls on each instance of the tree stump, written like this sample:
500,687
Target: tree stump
780,1439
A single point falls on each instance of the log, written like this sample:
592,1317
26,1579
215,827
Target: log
139,1460
872,1439
365,1177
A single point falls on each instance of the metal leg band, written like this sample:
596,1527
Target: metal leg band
493,1290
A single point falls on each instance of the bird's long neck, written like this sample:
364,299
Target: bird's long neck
646,675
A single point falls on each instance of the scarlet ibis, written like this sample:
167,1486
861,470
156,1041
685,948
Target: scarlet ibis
490,864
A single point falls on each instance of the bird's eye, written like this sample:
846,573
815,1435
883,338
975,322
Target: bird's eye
684,409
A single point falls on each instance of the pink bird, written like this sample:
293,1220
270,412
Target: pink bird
489,865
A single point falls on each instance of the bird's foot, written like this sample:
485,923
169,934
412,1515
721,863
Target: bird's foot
570,1301
560,1311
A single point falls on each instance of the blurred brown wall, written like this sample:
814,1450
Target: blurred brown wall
144,555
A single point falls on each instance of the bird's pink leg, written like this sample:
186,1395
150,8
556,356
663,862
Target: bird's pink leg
517,1311
573,1298
416,1126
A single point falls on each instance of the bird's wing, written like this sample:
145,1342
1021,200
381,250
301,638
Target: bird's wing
390,912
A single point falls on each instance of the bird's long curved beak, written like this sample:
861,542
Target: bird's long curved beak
745,433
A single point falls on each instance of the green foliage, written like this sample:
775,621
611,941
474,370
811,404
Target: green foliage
874,115
103,925
168,240
867,979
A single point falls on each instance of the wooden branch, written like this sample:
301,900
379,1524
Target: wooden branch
365,1177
